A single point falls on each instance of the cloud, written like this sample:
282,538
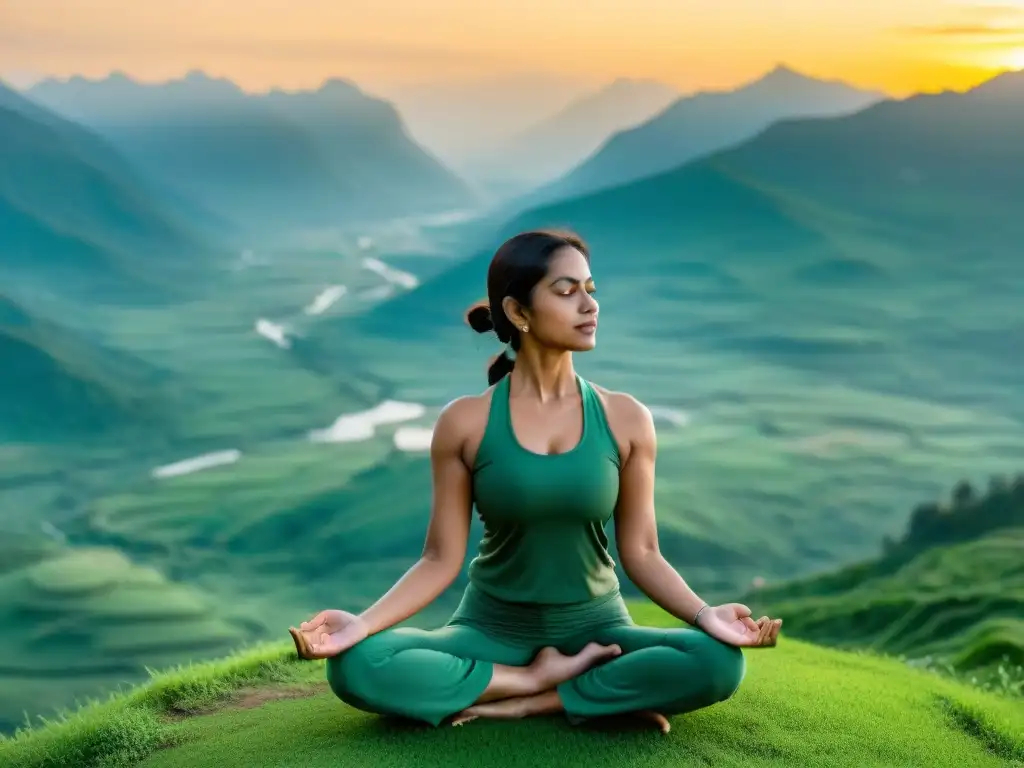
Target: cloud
985,19
965,30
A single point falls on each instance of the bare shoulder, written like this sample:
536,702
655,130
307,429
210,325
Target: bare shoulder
623,404
629,419
462,422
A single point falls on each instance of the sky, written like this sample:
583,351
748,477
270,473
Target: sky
898,46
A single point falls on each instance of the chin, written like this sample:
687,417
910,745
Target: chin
583,346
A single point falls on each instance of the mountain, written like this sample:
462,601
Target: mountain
71,209
552,146
58,385
949,593
270,161
704,123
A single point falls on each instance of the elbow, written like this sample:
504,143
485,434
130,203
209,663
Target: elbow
445,565
635,560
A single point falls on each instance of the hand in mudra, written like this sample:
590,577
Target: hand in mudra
327,634
731,623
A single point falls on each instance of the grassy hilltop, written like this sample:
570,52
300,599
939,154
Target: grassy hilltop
800,705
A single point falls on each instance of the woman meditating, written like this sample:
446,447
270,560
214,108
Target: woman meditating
547,459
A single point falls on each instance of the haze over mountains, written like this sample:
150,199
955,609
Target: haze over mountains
551,146
706,122
268,162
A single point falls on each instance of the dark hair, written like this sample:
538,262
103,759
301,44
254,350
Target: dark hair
518,265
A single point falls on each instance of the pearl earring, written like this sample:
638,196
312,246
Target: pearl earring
526,328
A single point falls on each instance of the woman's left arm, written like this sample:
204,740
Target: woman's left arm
636,531
636,534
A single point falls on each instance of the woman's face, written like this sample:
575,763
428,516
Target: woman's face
563,312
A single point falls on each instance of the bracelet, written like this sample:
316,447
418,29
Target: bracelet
697,615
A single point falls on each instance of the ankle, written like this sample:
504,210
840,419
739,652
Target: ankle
539,678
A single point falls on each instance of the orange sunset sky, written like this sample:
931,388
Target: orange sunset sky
899,46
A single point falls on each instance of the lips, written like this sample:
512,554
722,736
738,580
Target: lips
590,325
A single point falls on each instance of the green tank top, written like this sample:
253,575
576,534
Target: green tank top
544,516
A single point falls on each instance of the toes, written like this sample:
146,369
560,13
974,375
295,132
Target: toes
463,719
657,719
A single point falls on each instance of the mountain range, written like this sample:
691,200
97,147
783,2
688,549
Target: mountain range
705,122
272,162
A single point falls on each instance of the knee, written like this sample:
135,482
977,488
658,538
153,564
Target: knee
352,673
725,666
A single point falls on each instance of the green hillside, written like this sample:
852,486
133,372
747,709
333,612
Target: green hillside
272,163
800,705
91,147
69,212
948,593
58,386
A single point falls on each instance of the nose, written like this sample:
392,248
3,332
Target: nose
589,304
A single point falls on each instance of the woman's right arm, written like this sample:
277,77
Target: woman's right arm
447,532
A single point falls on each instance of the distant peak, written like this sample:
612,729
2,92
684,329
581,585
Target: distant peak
783,72
340,86
198,79
1003,84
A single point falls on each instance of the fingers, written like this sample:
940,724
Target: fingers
741,610
313,623
769,631
301,647
750,624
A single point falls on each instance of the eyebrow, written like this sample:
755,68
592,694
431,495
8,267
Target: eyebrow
572,280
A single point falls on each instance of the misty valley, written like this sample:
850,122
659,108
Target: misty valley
228,322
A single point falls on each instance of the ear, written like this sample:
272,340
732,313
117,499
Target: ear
514,312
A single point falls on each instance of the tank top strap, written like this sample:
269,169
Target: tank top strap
597,427
497,431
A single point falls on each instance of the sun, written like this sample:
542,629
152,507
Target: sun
1015,59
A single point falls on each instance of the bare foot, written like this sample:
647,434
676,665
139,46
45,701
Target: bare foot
512,709
551,667
658,719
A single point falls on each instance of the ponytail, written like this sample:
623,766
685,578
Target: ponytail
481,320
500,367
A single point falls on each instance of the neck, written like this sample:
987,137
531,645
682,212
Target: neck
543,374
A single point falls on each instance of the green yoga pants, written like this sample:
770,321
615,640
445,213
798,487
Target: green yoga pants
430,675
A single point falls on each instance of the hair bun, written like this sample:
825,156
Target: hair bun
479,318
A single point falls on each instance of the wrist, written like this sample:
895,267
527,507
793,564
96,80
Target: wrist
702,611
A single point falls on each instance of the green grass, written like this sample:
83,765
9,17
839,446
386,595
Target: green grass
800,705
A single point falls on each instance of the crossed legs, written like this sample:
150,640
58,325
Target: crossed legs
460,672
